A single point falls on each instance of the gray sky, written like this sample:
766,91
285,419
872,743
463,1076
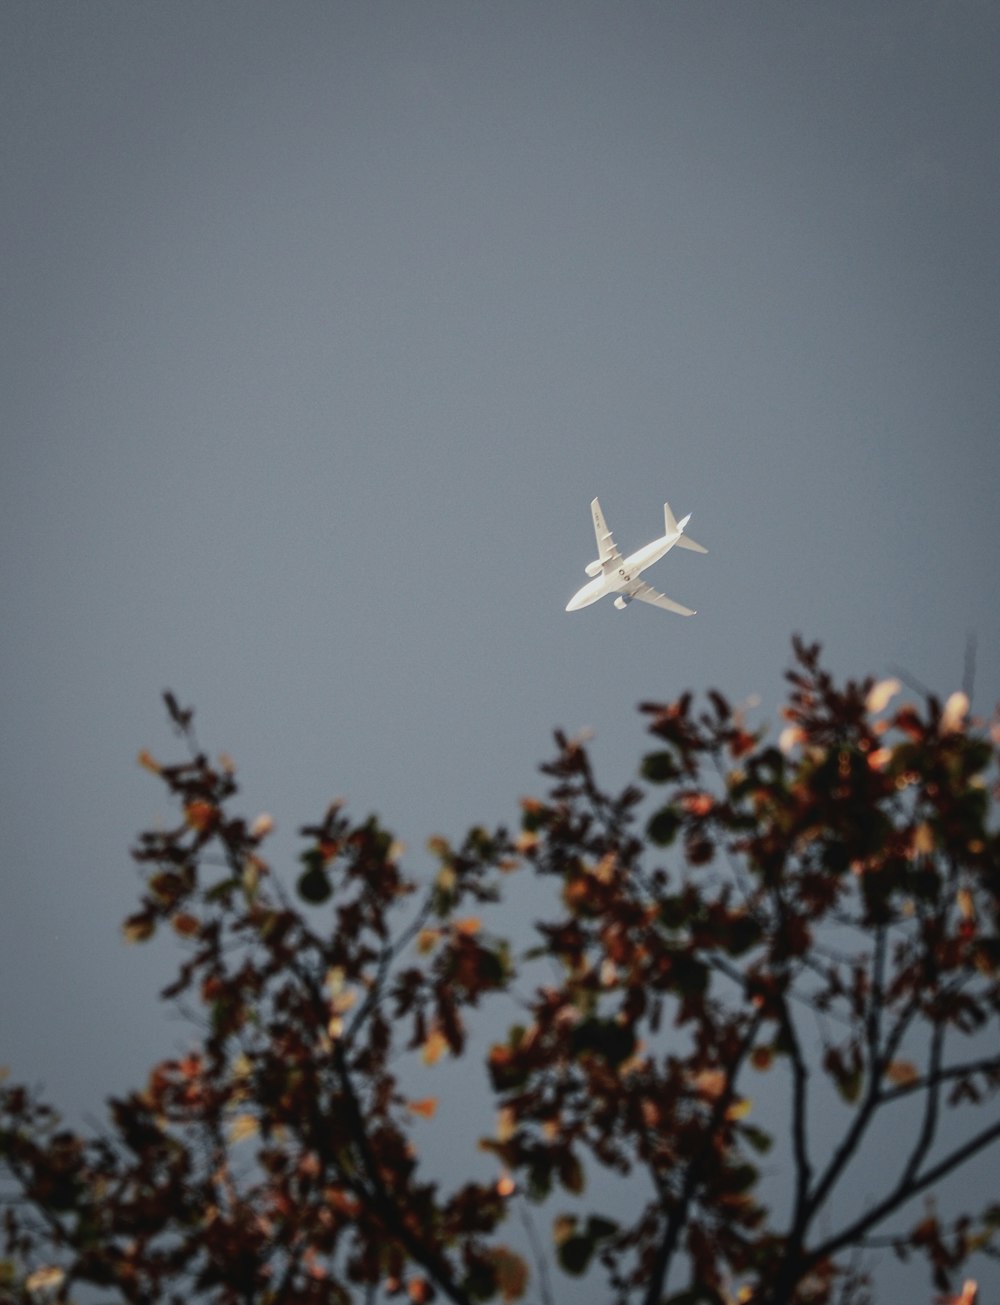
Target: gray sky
323,323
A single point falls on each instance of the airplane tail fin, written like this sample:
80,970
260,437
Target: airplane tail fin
671,524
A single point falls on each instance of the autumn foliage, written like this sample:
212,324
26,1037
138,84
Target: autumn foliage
811,917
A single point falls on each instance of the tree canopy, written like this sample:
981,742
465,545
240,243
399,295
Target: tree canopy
811,914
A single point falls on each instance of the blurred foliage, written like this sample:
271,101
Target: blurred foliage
823,907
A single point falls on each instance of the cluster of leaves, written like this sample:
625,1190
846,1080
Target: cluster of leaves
825,909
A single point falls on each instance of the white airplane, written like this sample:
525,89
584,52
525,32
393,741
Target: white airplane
614,574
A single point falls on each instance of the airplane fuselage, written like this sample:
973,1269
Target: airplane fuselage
617,578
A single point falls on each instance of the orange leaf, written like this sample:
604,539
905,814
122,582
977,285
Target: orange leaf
426,940
425,1108
262,826
48,1279
341,1201
190,1066
969,1296
186,925
242,1126
512,1274
880,695
435,1047
698,804
955,711
901,1072
506,1124
966,906
137,928
149,762
200,815
710,1083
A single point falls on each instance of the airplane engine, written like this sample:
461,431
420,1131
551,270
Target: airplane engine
621,602
593,568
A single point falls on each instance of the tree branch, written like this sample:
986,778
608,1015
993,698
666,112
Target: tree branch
678,1216
902,1193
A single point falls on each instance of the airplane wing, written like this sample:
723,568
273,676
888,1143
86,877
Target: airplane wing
647,594
606,549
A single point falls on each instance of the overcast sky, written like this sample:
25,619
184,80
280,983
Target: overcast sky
323,323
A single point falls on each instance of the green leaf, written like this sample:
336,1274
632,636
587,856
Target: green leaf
758,1139
688,974
742,1177
314,885
575,1253
660,767
570,1172
608,1039
575,1249
663,826
600,1229
696,1296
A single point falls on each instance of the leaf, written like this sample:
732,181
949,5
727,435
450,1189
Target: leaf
758,1139
511,1271
50,1278
955,711
850,1086
188,926
660,767
663,826
575,1253
563,1226
434,1048
200,815
601,1229
506,1123
314,886
880,695
966,906
902,1072
427,940
137,928
261,827
710,1083
698,804
243,1126
790,737
575,1248
570,1172
762,1057
608,1039
698,1296
425,1108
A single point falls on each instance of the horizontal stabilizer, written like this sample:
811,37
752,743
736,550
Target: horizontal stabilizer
686,541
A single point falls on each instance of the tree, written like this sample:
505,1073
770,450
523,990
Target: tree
821,911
